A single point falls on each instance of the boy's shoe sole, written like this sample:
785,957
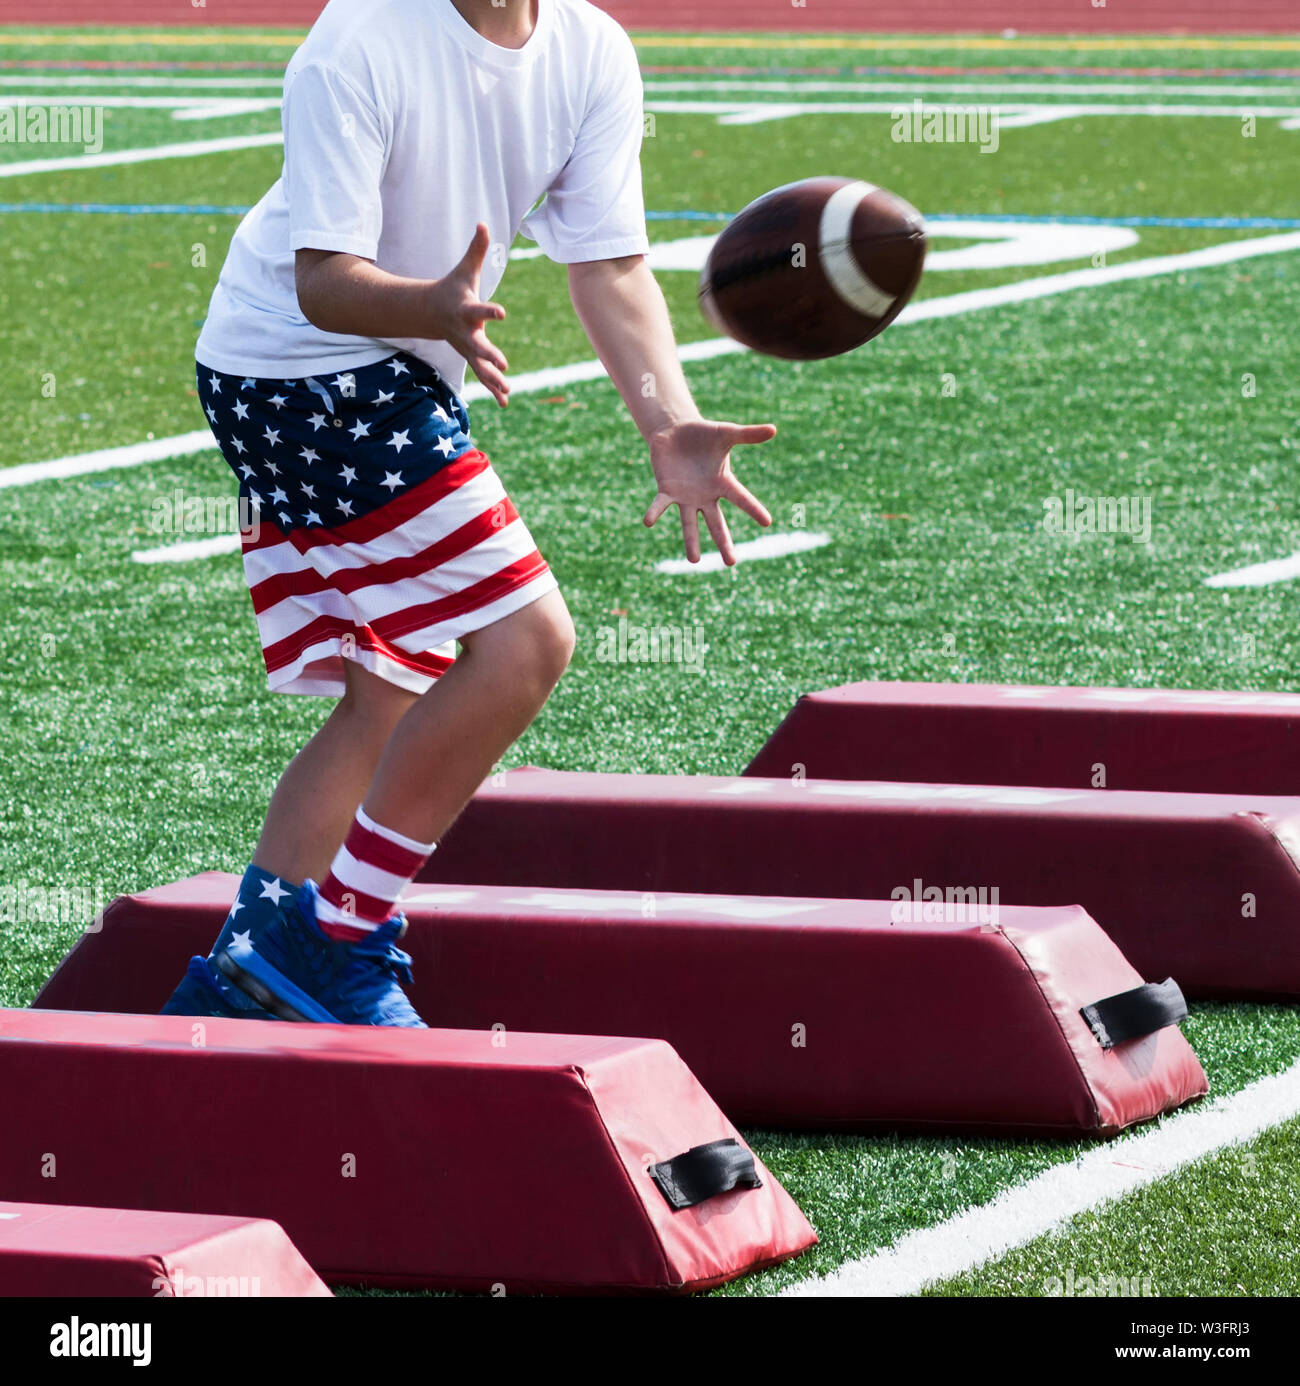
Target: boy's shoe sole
199,993
246,969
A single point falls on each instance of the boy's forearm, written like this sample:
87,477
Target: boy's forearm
622,309
346,294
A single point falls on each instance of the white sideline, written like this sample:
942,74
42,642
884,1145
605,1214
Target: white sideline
1012,116
553,377
1020,1214
106,459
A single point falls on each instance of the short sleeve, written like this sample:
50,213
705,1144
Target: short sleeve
334,158
595,209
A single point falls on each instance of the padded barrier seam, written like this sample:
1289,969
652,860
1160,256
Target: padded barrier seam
581,1074
1056,1020
1266,823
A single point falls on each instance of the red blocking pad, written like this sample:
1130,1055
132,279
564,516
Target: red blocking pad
47,1249
1085,738
436,1158
792,1012
1198,886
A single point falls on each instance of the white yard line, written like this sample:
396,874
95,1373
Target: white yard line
1011,116
184,150
108,459
1039,115
958,87
555,377
1019,1214
1051,284
182,107
768,546
754,112
190,549
1258,574
177,101
38,84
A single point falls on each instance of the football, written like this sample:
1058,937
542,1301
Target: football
814,268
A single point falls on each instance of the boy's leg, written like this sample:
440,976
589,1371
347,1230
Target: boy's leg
446,745
318,794
438,755
309,813
332,956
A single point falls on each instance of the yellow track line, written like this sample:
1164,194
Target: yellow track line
287,38
283,38
884,41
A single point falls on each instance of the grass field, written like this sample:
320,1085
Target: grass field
141,743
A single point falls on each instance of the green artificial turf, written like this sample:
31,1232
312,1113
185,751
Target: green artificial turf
1223,1227
141,744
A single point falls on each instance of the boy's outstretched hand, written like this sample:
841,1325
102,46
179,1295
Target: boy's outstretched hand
623,311
692,469
349,294
460,317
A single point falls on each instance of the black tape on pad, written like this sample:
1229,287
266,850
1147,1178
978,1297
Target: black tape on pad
704,1171
1132,1014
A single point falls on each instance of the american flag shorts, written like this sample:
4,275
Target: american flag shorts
376,531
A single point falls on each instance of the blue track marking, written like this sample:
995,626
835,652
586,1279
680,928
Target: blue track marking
126,209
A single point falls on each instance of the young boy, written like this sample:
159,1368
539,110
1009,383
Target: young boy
330,368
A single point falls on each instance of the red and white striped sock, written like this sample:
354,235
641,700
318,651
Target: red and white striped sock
368,873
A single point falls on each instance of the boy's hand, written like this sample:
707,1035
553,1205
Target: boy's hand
692,468
459,317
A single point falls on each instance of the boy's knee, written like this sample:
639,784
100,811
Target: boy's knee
535,643
549,642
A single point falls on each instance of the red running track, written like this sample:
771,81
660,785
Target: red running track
1083,17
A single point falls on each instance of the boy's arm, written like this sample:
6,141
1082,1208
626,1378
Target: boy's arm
338,292
622,309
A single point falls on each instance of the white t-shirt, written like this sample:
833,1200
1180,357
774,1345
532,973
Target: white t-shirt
403,128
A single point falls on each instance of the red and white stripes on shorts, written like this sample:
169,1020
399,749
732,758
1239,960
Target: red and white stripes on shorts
379,533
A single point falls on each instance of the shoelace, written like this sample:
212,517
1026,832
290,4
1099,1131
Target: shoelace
369,960
370,953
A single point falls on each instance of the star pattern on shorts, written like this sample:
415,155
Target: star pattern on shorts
358,477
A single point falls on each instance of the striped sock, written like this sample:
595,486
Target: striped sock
368,873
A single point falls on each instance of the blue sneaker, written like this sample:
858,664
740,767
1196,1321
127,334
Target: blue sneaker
204,990
297,972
